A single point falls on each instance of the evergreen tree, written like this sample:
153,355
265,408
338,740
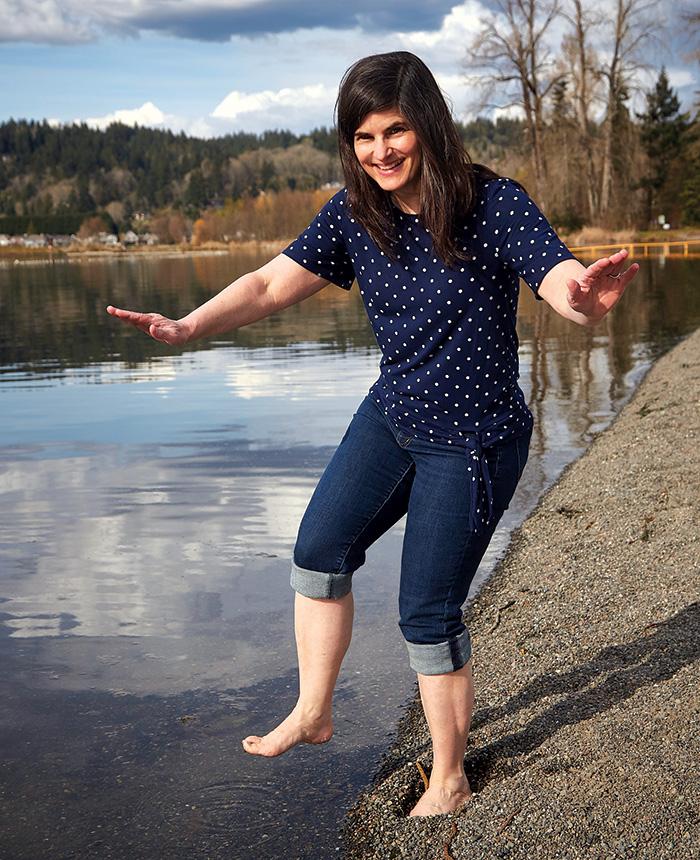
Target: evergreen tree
690,194
661,135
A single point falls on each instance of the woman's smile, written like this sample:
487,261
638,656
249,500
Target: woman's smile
388,151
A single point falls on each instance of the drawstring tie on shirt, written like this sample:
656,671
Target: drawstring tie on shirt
481,491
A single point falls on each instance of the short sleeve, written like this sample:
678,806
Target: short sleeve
321,247
528,243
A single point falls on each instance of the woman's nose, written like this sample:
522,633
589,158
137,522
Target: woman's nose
381,149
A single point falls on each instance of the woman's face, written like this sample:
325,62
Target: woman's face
389,152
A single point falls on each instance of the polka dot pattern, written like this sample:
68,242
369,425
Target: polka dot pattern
449,363
449,368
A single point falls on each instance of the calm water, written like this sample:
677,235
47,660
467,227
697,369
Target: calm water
149,501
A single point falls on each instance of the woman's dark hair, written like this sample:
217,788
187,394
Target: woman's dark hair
401,81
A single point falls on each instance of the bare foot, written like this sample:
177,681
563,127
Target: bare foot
290,732
439,799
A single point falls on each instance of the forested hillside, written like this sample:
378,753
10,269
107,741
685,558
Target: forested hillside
60,175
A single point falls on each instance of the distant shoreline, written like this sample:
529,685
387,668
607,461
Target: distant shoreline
9,252
586,239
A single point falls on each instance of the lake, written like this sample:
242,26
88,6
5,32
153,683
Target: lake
150,498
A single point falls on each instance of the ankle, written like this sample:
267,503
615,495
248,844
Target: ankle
311,713
450,780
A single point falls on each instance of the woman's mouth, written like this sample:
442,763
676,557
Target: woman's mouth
388,168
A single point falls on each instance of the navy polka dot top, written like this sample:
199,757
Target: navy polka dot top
449,368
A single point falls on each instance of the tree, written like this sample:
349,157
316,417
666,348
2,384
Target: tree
567,197
631,29
691,21
661,135
197,193
510,55
581,67
690,195
92,226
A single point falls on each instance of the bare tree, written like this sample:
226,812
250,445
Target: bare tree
630,29
580,65
509,56
691,20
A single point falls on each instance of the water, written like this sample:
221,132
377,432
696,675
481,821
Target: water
149,501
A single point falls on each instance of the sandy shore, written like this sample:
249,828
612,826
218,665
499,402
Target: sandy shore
585,740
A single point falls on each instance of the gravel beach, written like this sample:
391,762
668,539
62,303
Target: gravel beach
585,740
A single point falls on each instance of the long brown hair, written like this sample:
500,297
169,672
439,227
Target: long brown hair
449,181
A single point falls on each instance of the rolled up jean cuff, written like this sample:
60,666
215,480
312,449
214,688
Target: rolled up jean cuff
441,657
320,586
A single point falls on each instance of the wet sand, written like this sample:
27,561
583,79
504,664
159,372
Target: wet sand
585,739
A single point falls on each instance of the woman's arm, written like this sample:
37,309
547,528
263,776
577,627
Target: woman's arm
585,295
276,285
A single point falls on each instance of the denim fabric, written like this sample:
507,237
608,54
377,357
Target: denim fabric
377,475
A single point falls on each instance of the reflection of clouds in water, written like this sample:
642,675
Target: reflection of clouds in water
140,517
143,558
310,376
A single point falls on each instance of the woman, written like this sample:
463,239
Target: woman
438,247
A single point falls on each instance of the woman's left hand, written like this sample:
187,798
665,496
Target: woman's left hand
600,287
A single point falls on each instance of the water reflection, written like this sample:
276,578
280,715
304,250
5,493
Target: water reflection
150,500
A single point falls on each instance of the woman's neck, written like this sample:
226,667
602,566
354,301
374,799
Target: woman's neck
410,204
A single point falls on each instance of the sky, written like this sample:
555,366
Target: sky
210,67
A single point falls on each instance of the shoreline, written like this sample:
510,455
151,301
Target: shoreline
583,241
585,740
17,253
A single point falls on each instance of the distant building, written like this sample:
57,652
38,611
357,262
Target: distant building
36,240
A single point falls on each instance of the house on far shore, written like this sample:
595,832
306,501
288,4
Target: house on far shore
130,238
40,240
36,240
64,241
106,239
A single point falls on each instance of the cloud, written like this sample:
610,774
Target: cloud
45,21
148,115
680,78
448,42
208,20
244,108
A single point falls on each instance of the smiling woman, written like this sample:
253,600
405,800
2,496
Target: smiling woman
438,247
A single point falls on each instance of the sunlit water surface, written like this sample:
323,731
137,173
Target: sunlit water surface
150,499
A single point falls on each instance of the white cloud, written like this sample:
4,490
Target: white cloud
296,108
448,44
679,78
148,114
237,104
42,21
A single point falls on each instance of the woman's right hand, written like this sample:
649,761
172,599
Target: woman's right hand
161,328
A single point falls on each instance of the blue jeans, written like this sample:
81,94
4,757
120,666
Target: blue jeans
377,475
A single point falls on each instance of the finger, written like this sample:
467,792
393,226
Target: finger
599,269
159,333
577,293
126,316
617,262
625,277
